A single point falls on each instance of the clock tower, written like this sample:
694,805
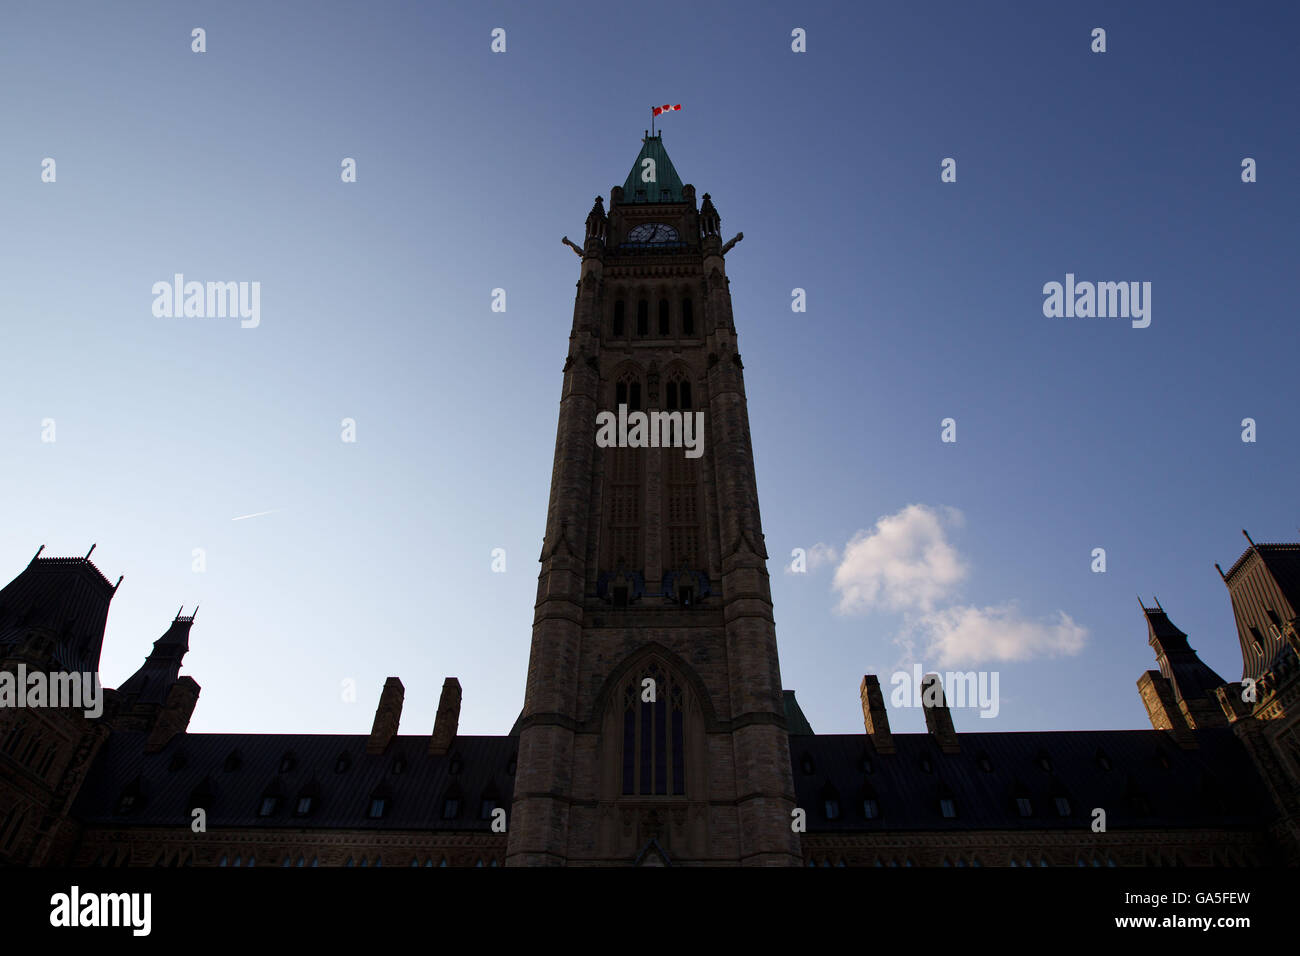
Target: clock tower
653,730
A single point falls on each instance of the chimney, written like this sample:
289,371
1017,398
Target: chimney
387,716
175,715
874,716
448,719
938,719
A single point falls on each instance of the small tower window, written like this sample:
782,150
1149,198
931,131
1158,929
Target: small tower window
643,318
619,319
663,316
688,318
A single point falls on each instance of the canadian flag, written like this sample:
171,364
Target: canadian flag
667,109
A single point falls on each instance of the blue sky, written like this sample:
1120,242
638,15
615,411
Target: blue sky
924,302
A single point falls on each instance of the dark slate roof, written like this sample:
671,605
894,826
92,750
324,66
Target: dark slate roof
1191,676
1213,786
70,597
1283,563
171,781
667,186
150,684
795,721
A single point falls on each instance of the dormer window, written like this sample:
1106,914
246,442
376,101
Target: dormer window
287,763
268,807
948,807
377,807
304,806
1024,806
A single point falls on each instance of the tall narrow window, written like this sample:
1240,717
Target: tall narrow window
663,316
623,491
629,740
688,318
618,319
686,394
670,396
654,752
643,318
679,749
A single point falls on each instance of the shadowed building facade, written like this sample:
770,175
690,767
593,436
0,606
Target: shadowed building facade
654,728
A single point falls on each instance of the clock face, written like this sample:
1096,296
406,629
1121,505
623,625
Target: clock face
653,232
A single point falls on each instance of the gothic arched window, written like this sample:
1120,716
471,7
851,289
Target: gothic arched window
663,316
643,318
654,748
688,318
618,319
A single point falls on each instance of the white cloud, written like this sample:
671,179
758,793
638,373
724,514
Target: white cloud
904,564
965,634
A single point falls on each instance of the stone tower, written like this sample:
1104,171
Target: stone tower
653,730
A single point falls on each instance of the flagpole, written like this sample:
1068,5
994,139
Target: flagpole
652,121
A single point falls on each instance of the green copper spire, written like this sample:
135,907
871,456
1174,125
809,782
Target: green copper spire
667,186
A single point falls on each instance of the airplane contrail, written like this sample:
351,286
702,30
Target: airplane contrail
256,514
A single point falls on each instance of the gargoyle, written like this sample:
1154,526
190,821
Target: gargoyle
571,245
732,241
